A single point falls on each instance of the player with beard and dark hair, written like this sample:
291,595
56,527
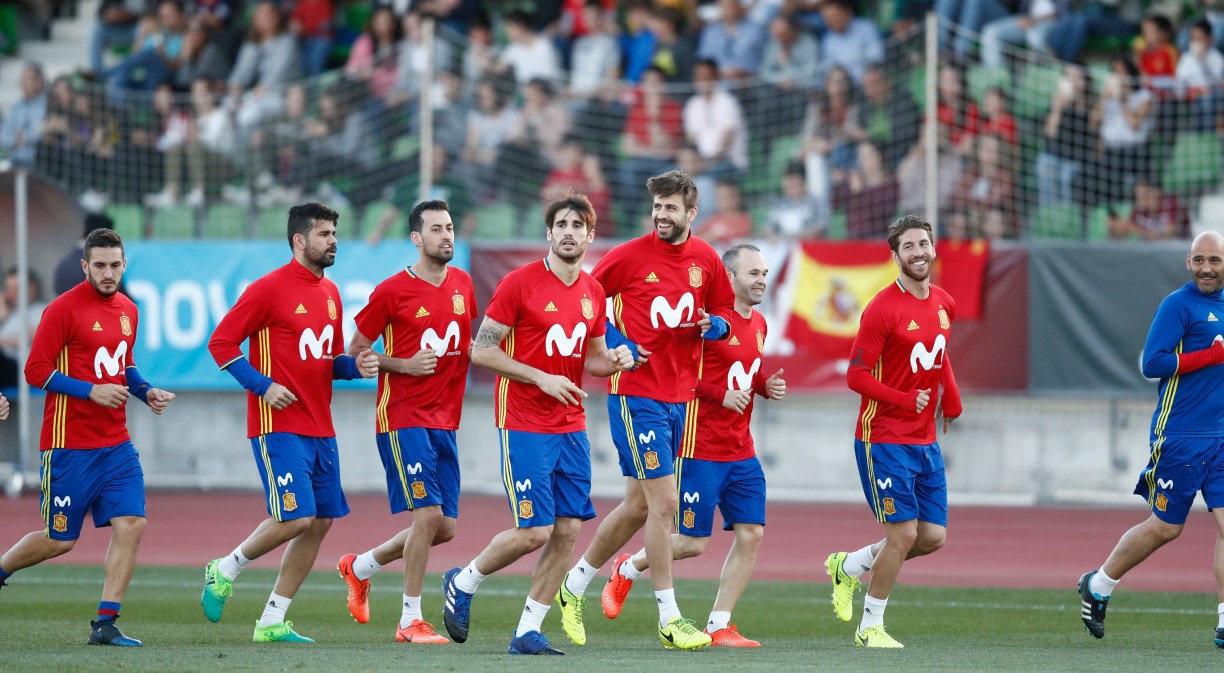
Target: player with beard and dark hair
292,317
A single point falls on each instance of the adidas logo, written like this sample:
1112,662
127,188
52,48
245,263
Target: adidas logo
1211,317
652,278
551,308
912,326
97,327
733,341
421,312
300,310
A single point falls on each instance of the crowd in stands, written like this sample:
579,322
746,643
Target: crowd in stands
799,118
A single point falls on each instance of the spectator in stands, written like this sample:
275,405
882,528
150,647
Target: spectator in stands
714,124
528,55
887,117
958,115
595,56
912,174
637,42
489,125
339,144
267,62
68,273
97,131
579,170
1029,26
273,151
996,118
451,109
443,187
869,195
202,58
795,214
10,326
532,148
1070,140
1125,115
654,131
1154,51
116,27
54,154
831,131
374,56
736,44
311,22
984,204
967,18
159,47
1092,19
788,71
849,41
1200,70
208,146
689,160
675,51
457,15
1156,216
480,55
729,222
411,68
219,18
23,125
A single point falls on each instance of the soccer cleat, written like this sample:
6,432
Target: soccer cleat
420,631
456,614
730,637
681,633
105,632
844,586
1092,607
572,608
616,589
217,588
875,636
358,590
281,632
533,642
1219,639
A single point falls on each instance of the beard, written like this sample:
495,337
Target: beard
319,257
920,274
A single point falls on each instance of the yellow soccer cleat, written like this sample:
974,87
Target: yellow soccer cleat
876,636
572,608
844,586
681,633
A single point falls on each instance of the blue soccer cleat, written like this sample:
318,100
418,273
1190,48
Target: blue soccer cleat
1092,607
533,642
456,614
105,632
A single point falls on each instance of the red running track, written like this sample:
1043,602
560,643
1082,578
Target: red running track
987,546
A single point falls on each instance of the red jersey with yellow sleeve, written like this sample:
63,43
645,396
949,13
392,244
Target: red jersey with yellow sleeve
89,337
655,289
292,319
550,323
901,348
412,314
712,431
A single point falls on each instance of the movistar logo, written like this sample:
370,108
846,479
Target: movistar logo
441,344
317,345
111,363
413,468
672,316
65,501
920,355
738,378
524,485
884,484
646,437
692,497
565,344
1166,485
285,480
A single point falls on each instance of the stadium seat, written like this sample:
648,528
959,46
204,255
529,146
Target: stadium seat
1098,223
837,226
129,220
1036,90
226,221
495,221
785,149
273,223
374,212
917,87
178,222
1194,163
1057,221
980,79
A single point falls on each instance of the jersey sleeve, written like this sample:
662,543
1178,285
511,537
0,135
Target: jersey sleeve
50,337
245,318
374,316
599,326
607,271
720,297
865,354
1167,330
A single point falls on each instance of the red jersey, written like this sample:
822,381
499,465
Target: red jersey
89,337
292,318
412,314
902,341
656,289
550,323
712,431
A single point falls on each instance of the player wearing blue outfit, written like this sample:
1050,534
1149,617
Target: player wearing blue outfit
1184,348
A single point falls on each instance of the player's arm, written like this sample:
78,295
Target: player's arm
156,398
615,339
950,402
363,365
244,319
603,361
866,353
1160,357
423,363
773,388
715,318
41,372
486,352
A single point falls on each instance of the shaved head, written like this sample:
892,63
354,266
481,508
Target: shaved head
1205,261
1214,238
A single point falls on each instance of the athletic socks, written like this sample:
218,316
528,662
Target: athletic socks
469,579
107,610
274,611
233,564
412,611
364,566
1102,585
580,576
667,604
1220,610
873,612
630,571
859,562
718,621
4,575
533,617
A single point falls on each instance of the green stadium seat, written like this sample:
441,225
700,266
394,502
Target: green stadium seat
837,226
226,221
980,79
178,222
1098,222
1057,221
129,220
1035,91
1194,163
917,87
785,149
496,221
374,212
273,223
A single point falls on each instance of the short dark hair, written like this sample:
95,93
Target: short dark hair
1162,23
416,219
904,224
32,282
102,238
521,18
303,217
1203,25
847,5
674,182
730,258
571,200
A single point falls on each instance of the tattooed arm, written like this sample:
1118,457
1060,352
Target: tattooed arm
486,352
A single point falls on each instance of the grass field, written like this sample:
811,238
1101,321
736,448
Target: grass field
44,617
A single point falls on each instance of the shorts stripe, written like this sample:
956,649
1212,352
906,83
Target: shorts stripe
273,500
679,491
1149,475
627,418
875,495
688,443
398,454
508,475
45,486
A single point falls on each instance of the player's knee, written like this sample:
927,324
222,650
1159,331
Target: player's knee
750,536
445,532
320,526
902,538
295,527
429,519
665,506
53,548
129,527
1164,531
932,541
534,538
689,547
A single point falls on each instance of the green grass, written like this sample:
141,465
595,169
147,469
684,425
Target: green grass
44,617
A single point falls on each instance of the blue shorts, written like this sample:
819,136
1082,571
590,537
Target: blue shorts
546,476
301,476
647,434
109,482
1178,468
422,466
737,488
903,482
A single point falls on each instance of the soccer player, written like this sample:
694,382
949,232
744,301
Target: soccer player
424,315
82,356
292,317
1184,348
542,328
899,364
661,286
718,466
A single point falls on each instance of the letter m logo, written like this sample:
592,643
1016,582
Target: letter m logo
524,485
65,501
646,437
565,344
285,480
413,468
928,359
317,345
691,498
441,344
671,316
739,379
113,364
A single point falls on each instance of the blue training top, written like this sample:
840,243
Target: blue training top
1190,404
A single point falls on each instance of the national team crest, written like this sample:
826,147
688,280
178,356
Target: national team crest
290,502
652,460
524,509
588,309
418,489
125,325
760,342
694,276
690,519
457,304
59,523
889,507
1161,501
944,323
331,308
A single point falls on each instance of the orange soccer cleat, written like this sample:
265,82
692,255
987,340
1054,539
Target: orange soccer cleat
730,637
420,631
358,590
